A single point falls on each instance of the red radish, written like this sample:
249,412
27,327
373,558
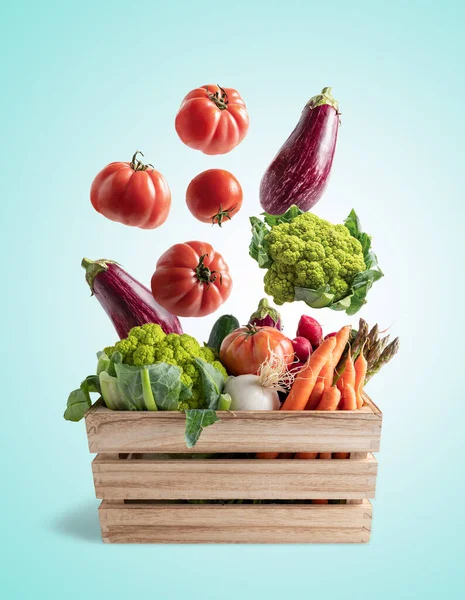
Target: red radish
332,334
310,328
299,172
302,348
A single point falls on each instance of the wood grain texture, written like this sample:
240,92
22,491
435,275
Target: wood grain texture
164,523
355,456
222,479
245,431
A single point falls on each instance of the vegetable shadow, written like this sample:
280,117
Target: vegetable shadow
80,522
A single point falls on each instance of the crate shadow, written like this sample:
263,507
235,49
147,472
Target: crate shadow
80,522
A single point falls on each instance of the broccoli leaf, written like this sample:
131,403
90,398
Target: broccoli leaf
196,421
212,382
287,217
116,359
103,362
78,403
363,281
360,286
91,384
165,382
314,298
111,393
257,248
79,400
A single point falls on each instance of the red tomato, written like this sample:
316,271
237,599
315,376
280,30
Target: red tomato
213,196
191,280
212,119
246,348
131,193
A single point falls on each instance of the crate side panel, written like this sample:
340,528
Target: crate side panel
234,479
235,524
246,431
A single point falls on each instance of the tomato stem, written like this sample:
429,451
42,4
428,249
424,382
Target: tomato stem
223,214
204,274
222,100
137,164
251,329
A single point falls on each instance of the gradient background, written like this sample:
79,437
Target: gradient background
87,83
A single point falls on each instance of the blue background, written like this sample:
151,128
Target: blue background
87,83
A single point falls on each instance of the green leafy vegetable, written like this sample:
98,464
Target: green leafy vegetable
257,248
79,400
152,386
112,394
78,403
212,382
312,260
196,421
156,386
103,362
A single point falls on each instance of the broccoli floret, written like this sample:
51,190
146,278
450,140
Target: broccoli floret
312,253
126,347
150,334
143,355
148,344
207,354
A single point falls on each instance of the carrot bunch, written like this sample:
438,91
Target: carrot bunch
319,387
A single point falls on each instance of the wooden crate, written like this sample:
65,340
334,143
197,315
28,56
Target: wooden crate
144,494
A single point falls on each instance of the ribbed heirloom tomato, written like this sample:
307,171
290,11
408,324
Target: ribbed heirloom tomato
212,119
214,196
246,348
131,193
191,280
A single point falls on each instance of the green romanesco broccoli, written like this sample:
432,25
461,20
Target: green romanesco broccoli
148,344
312,253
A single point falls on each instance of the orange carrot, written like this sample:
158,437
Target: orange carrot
327,372
307,376
349,400
348,376
265,455
360,366
316,395
325,455
330,399
342,337
341,454
319,501
306,455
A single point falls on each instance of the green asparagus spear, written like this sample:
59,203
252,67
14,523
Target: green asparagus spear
384,358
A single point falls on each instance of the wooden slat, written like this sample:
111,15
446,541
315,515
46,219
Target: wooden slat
245,431
224,479
164,523
355,456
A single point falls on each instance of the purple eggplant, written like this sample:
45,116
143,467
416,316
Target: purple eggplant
127,302
266,316
299,172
